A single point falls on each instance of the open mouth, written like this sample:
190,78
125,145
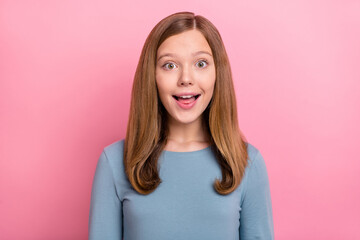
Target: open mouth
186,97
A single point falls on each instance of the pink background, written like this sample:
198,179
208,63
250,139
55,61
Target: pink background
66,70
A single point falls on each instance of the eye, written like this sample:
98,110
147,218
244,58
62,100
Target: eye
202,63
169,66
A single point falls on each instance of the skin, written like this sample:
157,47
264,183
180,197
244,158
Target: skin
181,68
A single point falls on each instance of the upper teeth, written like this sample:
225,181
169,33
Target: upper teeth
187,96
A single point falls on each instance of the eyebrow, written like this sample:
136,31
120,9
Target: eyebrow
194,54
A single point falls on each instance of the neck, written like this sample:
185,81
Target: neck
186,137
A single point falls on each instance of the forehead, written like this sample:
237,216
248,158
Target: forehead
185,43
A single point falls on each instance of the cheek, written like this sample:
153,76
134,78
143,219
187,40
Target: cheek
163,91
160,83
209,83
165,83
162,88
207,78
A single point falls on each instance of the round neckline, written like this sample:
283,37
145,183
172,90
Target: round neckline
188,152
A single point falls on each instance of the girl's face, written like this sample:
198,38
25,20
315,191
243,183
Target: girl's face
185,76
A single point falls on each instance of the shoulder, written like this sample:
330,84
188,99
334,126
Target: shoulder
254,156
251,149
115,150
114,155
256,171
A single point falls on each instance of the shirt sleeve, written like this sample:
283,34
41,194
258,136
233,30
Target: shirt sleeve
105,216
256,219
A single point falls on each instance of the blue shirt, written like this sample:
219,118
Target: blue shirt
184,205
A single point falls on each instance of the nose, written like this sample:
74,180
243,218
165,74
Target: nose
186,77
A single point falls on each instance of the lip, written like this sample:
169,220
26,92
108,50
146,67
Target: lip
185,94
186,106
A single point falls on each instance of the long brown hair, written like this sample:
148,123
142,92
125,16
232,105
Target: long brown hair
147,130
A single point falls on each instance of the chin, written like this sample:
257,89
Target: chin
186,121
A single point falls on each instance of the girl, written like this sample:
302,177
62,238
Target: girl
184,170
